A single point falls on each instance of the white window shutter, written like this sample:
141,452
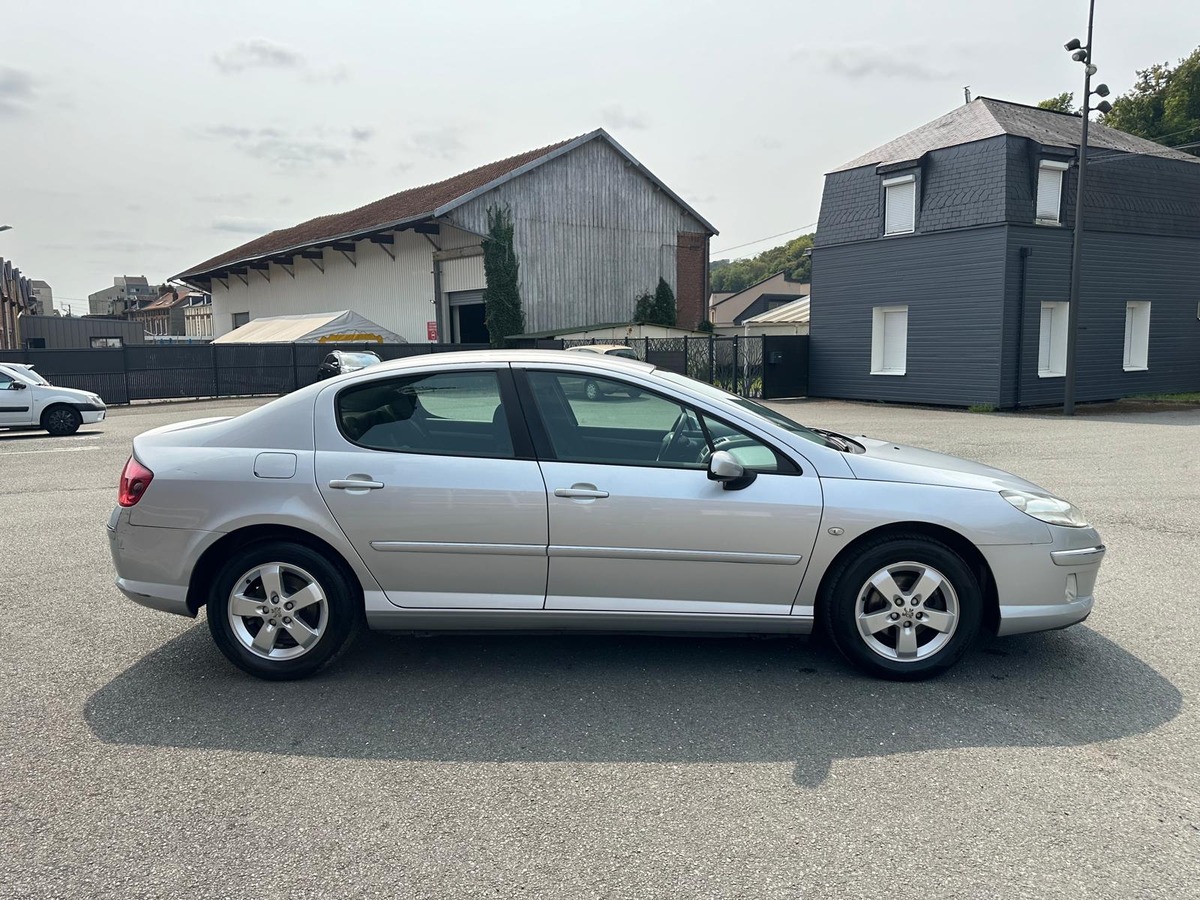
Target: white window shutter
895,340
889,340
900,206
1049,192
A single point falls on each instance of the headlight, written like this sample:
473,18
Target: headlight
1047,509
96,399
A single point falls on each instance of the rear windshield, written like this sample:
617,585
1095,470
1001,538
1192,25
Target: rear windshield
27,375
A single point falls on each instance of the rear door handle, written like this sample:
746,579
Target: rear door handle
355,484
575,493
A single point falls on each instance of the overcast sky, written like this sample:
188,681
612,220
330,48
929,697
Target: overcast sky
141,138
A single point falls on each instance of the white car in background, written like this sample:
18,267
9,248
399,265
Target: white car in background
597,390
27,400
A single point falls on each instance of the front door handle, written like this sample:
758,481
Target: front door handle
579,492
355,484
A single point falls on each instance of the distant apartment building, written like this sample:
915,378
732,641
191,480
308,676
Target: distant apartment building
167,315
41,299
128,292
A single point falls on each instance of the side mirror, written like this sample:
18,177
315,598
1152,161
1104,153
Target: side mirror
732,474
19,385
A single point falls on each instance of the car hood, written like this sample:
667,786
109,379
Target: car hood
70,393
885,461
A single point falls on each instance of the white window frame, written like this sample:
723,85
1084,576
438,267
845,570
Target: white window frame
1137,336
889,186
879,365
1046,169
1052,339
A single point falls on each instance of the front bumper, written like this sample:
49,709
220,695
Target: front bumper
1043,587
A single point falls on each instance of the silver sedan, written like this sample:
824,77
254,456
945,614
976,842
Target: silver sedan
476,491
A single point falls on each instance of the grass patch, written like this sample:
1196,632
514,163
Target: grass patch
981,408
1188,397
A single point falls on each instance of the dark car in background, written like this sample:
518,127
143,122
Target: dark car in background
339,362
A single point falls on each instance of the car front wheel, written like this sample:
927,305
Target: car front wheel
281,611
62,420
592,391
904,608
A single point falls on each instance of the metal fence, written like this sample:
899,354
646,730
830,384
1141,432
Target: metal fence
172,372
765,367
739,364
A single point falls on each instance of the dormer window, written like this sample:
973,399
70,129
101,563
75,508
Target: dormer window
1049,191
900,204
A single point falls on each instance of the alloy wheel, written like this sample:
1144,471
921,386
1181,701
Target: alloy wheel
278,611
907,611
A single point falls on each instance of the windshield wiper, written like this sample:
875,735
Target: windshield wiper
835,440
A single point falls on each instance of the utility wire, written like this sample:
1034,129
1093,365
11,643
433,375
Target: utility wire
767,238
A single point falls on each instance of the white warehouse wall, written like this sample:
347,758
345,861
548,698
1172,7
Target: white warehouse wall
397,294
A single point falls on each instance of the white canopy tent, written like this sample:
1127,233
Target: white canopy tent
311,328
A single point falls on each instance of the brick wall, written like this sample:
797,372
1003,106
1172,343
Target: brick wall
691,278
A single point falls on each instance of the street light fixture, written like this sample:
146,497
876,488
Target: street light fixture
1081,53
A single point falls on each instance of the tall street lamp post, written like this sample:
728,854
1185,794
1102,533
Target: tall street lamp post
1081,53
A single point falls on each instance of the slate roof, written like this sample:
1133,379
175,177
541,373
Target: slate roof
412,205
985,117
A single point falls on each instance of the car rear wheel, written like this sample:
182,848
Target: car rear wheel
61,420
281,611
903,608
592,391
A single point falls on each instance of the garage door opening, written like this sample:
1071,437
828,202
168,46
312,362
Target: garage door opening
467,324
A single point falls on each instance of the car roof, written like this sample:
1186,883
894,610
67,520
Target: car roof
505,357
600,348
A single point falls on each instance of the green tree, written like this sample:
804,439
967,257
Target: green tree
1163,105
1064,102
664,303
657,308
502,296
734,275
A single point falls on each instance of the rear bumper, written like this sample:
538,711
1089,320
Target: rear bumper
154,565
163,597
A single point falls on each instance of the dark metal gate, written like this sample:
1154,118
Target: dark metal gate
785,366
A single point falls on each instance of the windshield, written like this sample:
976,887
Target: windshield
623,352
359,359
26,375
766,412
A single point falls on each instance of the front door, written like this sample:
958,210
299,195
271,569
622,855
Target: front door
432,479
16,401
635,523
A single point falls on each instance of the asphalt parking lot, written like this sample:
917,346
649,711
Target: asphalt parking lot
135,762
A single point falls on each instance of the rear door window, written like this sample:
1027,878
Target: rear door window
445,413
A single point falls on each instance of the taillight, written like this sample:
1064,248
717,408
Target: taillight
135,478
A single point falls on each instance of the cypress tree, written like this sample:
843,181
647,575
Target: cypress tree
502,296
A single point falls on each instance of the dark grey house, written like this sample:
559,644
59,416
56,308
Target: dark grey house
942,264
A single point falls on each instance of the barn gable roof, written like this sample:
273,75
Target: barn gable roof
412,206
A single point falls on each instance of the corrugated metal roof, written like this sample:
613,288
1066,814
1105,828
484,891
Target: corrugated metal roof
795,312
985,117
412,205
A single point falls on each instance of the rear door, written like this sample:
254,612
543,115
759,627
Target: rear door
431,476
635,523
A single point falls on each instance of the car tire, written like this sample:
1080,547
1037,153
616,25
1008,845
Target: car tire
61,420
903,607
592,391
253,625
